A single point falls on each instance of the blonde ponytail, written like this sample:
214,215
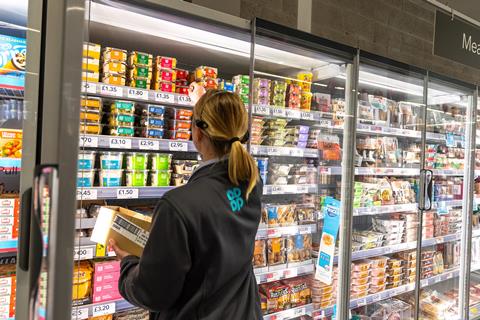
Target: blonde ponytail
226,122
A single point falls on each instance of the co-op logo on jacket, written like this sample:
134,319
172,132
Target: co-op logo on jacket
234,195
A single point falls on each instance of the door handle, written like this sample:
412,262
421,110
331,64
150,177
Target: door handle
25,219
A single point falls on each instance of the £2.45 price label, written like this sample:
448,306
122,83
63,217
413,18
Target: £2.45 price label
148,144
137,94
88,142
164,97
178,146
79,313
89,87
83,253
111,90
87,194
103,309
120,143
127,193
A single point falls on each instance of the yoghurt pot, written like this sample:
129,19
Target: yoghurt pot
160,178
110,178
161,161
85,178
136,178
86,160
136,161
111,160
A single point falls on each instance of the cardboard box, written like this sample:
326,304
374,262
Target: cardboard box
106,278
106,297
105,288
128,228
106,267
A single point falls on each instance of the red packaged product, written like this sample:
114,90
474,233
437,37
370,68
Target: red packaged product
181,90
278,296
182,74
165,62
181,83
178,135
164,75
300,292
179,114
164,86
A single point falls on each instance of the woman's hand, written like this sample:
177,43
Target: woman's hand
195,92
119,252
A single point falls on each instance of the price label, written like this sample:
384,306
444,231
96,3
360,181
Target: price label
83,253
277,190
164,97
296,152
148,144
304,229
279,112
290,273
324,170
137,94
89,87
104,309
79,313
178,146
88,142
306,115
263,110
273,233
302,189
127,193
293,114
120,143
111,90
273,151
184,99
325,123
273,276
101,250
87,194
361,302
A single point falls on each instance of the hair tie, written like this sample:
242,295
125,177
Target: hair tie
233,140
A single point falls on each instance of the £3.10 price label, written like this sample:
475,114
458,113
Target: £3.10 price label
137,94
120,143
79,313
111,90
89,87
178,146
88,142
127,193
164,97
83,253
87,194
148,144
103,309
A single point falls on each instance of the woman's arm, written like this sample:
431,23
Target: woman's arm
155,281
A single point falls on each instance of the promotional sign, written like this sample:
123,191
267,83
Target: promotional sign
12,62
331,223
456,40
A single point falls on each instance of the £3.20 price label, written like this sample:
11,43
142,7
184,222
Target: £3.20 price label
120,143
178,146
148,144
103,309
127,193
88,142
137,94
111,90
79,313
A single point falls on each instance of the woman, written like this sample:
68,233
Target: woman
197,263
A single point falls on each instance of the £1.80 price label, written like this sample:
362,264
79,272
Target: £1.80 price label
83,253
137,94
178,146
127,193
103,309
88,142
79,313
120,143
111,90
148,144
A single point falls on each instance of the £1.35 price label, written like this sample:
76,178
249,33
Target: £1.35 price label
137,94
88,142
178,146
164,97
111,90
145,144
79,313
103,309
127,193
120,143
184,99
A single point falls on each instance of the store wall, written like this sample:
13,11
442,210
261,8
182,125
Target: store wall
399,29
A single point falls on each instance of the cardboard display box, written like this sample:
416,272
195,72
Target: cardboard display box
128,228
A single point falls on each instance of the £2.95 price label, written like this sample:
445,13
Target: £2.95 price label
89,87
83,253
164,97
127,193
88,142
178,146
120,143
148,144
111,90
79,313
103,309
87,194
137,94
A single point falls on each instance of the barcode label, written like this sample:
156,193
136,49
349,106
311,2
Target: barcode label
130,231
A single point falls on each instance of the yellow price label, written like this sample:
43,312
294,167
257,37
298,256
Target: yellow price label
101,250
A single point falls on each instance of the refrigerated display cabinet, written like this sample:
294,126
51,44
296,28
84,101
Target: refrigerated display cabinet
383,144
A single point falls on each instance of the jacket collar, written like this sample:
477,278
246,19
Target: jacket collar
206,168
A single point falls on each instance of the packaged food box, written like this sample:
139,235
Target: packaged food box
299,248
276,252
378,262
182,90
121,119
90,76
165,62
91,50
90,127
136,161
136,58
106,267
241,80
360,274
85,178
179,114
375,288
89,64
178,135
164,86
114,79
123,107
152,122
278,296
281,215
305,214
86,160
106,277
300,292
128,228
362,265
90,115
184,166
142,83
242,90
150,133
360,281
160,178
182,74
394,263
110,178
209,83
227,86
259,254
111,160
377,272
110,53
179,179
160,161
106,297
407,255
179,125
167,75
136,178
140,72
123,131
151,110
91,103
11,143
181,83
82,280
203,72
394,278
394,271
114,67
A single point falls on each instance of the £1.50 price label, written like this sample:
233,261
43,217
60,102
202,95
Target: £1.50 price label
137,94
103,309
148,144
79,313
120,143
127,193
83,253
111,90
178,146
88,142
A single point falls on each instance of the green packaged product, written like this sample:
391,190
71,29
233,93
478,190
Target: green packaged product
161,161
136,178
136,161
160,178
120,106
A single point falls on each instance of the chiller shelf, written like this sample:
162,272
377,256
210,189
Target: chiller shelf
274,232
363,211
135,94
264,276
133,143
100,309
290,313
282,112
385,171
289,189
259,150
